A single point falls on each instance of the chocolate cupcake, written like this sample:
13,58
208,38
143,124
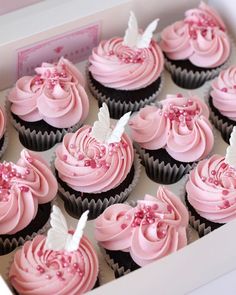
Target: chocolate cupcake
222,102
211,189
44,107
133,237
196,48
172,136
96,166
27,189
125,73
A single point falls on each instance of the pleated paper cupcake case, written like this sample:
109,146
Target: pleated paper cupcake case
118,108
191,80
39,141
161,172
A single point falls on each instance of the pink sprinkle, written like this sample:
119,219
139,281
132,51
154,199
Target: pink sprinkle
203,178
223,165
72,146
213,172
123,226
155,206
225,192
40,253
210,179
59,273
169,208
30,160
161,234
80,156
93,164
48,277
216,182
224,89
41,270
179,95
75,265
234,86
64,158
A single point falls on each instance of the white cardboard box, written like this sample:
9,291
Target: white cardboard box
199,262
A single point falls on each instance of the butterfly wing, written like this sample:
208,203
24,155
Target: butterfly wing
230,157
131,33
145,38
101,128
119,129
73,244
58,233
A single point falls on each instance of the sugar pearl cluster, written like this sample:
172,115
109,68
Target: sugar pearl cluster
215,179
183,114
52,77
129,57
148,215
9,176
57,264
203,24
97,156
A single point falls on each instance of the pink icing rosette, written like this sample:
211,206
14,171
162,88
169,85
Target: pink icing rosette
38,271
223,92
201,38
23,186
211,190
118,66
89,166
56,95
181,127
153,229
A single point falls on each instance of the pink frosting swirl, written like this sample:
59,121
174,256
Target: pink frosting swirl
153,229
200,38
2,123
56,95
89,166
224,91
121,67
211,189
181,127
38,271
23,186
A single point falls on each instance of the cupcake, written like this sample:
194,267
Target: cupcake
211,191
181,137
61,263
222,102
125,73
95,166
196,48
3,133
48,105
26,191
133,237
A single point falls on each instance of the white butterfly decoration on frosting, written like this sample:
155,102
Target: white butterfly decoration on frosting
58,237
101,129
230,157
132,36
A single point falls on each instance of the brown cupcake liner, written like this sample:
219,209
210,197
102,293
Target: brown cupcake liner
75,206
8,245
5,144
119,271
118,108
39,141
190,80
160,172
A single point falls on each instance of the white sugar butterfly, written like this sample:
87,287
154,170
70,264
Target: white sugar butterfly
101,129
132,36
230,157
58,236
